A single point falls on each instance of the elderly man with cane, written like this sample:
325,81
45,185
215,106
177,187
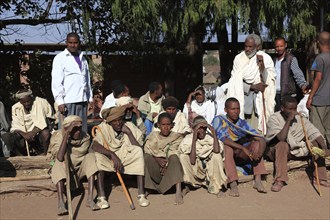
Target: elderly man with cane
73,142
117,145
30,124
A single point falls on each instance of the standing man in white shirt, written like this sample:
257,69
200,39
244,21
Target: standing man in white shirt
71,85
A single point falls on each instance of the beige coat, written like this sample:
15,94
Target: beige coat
130,155
41,110
160,146
83,162
180,121
144,105
295,138
209,167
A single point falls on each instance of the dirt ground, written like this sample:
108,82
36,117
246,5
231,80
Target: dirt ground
298,200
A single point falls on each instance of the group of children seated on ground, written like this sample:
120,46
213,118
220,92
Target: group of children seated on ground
165,147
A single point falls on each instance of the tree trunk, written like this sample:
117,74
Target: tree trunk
24,163
224,55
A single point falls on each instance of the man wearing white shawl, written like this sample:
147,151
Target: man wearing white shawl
252,82
29,124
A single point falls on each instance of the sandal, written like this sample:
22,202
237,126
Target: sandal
143,202
102,203
277,186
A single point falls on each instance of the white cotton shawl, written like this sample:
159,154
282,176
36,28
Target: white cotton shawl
247,70
40,110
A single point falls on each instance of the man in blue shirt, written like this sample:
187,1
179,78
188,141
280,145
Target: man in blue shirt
241,142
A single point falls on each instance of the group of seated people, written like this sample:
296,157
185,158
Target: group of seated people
164,147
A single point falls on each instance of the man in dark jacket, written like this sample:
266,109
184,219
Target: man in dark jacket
288,73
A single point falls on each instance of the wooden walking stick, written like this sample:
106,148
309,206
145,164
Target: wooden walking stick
68,181
313,159
264,107
128,197
27,146
68,185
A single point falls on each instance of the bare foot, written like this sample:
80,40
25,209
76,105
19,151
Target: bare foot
185,191
221,194
178,199
259,187
322,183
91,204
61,210
233,189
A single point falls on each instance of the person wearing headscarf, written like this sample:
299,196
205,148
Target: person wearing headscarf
201,156
117,145
163,167
71,139
171,105
29,124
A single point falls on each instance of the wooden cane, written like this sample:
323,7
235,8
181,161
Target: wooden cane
27,146
313,159
263,106
68,181
68,189
128,197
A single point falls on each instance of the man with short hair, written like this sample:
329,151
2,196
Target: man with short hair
30,124
199,106
117,145
118,91
71,86
288,73
286,139
252,82
150,104
241,142
318,101
171,105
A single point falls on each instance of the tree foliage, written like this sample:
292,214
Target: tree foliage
135,24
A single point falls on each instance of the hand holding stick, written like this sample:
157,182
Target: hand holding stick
118,174
310,150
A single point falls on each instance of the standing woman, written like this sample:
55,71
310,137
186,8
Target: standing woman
163,167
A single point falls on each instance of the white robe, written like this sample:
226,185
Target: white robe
247,70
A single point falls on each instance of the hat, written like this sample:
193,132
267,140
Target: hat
198,120
170,101
113,113
69,119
